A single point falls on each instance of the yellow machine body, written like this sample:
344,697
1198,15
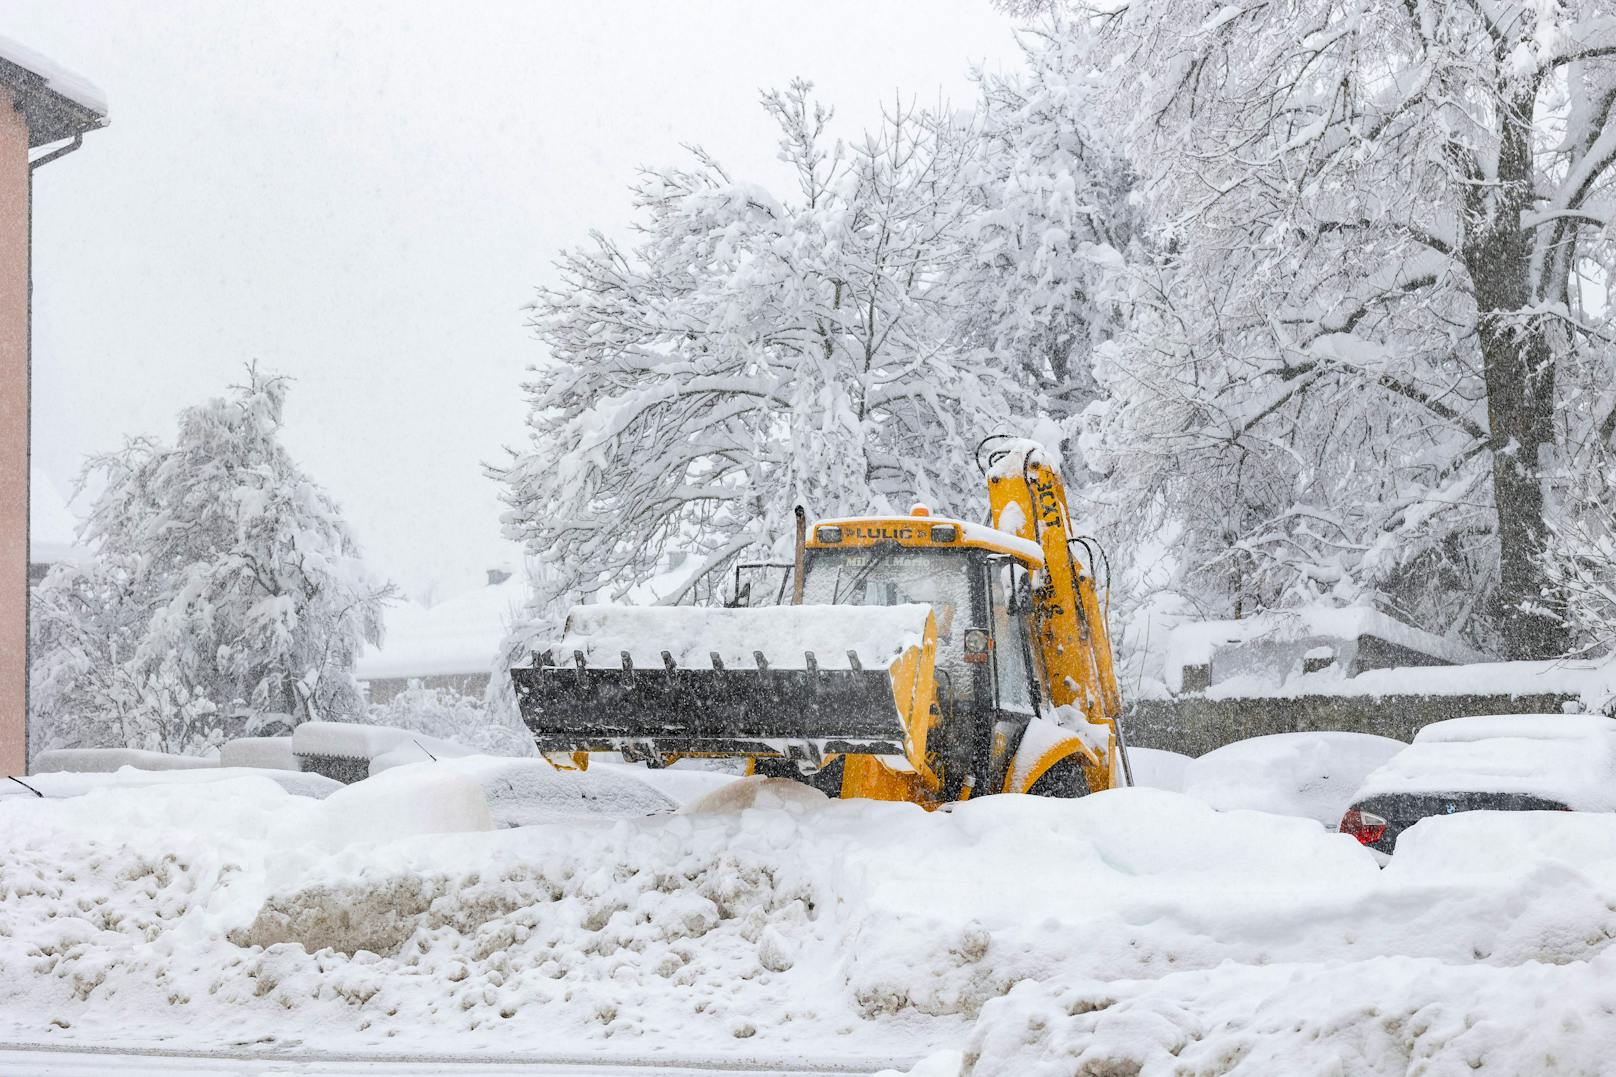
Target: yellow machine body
859,733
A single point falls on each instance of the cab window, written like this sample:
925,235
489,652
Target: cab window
1009,591
893,576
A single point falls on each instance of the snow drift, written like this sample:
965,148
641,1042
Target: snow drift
784,925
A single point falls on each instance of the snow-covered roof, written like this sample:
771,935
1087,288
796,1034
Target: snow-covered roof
1592,682
458,636
58,103
462,635
52,527
1193,644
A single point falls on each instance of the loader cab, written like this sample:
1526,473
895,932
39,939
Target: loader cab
978,586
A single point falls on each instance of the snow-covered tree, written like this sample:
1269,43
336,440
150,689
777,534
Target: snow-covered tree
751,352
1377,338
1054,220
224,585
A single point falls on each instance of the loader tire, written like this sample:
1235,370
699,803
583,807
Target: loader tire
1065,779
827,780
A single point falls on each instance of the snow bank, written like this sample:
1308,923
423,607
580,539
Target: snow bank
1314,775
685,781
1389,1016
1156,768
1138,922
107,760
1506,843
757,792
690,634
424,798
1593,684
72,784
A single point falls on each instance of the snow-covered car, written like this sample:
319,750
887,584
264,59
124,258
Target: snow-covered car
1313,775
523,792
1498,762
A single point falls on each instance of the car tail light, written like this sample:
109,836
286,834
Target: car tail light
1367,827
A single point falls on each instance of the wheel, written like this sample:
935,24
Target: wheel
1064,779
827,780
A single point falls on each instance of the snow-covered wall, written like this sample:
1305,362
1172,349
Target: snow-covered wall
1389,702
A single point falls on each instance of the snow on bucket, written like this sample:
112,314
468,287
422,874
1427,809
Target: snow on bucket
797,681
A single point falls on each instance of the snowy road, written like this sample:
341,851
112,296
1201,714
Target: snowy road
57,1060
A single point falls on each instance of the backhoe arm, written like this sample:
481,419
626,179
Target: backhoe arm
1027,498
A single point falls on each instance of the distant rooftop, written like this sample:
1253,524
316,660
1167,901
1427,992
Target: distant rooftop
57,103
462,635
52,526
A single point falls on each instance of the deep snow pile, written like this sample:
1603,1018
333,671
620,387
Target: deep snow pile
1542,1002
767,921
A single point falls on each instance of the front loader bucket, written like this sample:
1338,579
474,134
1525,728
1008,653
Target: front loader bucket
804,682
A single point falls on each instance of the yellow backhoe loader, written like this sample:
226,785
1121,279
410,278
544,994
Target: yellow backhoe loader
919,658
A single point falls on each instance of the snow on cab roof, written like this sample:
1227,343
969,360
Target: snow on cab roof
1574,763
60,103
979,533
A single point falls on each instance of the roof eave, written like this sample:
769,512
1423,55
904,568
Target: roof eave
51,116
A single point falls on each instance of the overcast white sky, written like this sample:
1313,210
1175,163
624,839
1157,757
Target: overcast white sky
363,196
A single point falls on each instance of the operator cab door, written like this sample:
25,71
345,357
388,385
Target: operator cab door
1016,679
1017,685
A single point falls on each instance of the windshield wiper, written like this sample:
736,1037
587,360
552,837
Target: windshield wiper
880,555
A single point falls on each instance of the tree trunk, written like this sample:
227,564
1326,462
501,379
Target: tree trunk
1518,365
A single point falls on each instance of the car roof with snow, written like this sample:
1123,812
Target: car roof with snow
1535,726
1566,758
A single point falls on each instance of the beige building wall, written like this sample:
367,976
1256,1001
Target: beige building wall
13,436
